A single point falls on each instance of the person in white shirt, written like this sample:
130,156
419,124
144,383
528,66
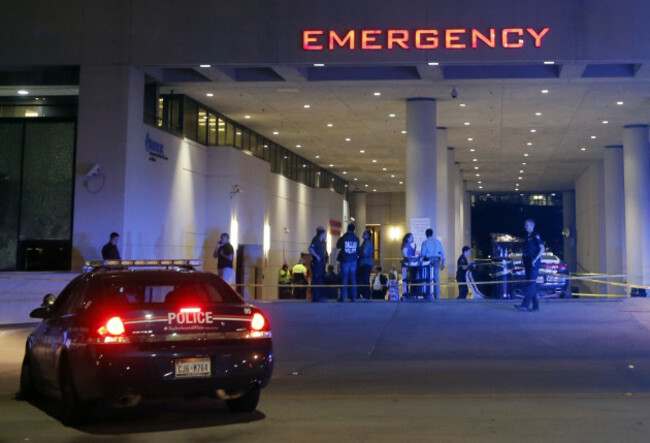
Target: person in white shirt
432,251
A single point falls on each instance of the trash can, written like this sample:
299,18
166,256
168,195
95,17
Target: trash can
501,274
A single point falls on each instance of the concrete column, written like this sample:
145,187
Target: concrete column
452,204
458,198
111,101
358,212
614,214
421,169
467,216
569,223
636,171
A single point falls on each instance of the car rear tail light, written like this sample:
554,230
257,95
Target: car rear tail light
113,331
259,326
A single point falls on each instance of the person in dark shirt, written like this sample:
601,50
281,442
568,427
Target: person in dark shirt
110,251
366,262
379,282
225,254
348,246
532,258
461,272
318,252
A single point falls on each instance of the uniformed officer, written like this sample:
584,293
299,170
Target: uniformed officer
533,250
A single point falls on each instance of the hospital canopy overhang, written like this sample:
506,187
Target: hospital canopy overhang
423,39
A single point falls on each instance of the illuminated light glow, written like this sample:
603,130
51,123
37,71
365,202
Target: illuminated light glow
347,40
392,176
319,65
234,233
23,92
362,151
472,150
318,156
401,183
583,149
258,322
466,123
247,116
348,139
331,166
306,106
538,114
328,242
395,233
376,94
430,37
186,310
477,35
399,37
403,132
452,36
369,36
275,133
544,91
619,103
549,62
329,125
593,137
505,35
114,326
383,169
374,190
529,144
605,122
209,94
374,160
205,66
433,63
469,139
421,39
391,115
266,242
462,105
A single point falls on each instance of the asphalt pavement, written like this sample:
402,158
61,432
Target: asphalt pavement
448,371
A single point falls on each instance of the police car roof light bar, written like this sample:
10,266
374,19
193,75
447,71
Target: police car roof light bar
90,265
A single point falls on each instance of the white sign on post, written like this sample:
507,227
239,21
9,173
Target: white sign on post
419,226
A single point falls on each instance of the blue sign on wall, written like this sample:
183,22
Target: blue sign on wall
155,149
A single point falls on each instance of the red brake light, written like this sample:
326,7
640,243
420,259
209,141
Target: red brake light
258,322
113,331
190,310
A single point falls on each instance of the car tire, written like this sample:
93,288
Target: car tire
247,402
27,389
74,411
567,293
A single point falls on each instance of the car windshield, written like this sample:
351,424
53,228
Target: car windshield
166,288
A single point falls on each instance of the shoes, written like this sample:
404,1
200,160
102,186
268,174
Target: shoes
521,308
534,310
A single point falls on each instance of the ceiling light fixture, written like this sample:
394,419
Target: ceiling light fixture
210,94
538,114
205,66
391,115
433,63
605,122
466,123
247,116
374,160
549,62
525,154
593,137
475,159
403,132
298,146
348,139
329,125
470,139
319,65
306,106
401,183
533,130
544,91
376,94
472,150
583,149
276,133
392,176
529,144
331,166
362,151
383,169
462,105
318,156
619,103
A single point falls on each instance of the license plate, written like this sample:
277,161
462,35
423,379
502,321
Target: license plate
192,367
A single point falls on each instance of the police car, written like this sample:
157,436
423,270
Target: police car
124,330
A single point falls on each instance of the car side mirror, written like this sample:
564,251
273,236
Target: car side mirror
48,300
40,313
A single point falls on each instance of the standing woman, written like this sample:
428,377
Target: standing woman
408,252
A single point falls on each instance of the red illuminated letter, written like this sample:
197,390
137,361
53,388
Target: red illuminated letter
368,37
348,39
476,36
309,37
504,38
429,37
538,37
399,36
451,38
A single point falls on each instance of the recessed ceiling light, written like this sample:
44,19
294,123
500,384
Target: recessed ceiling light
306,106
374,190
521,171
524,163
401,183
549,62
620,103
355,179
374,160
304,166
583,149
433,63
383,169
275,133
348,139
403,132
266,146
533,130
470,139
329,125
377,94
479,182
319,65
247,116
480,187
517,184
538,114
472,150
520,178
475,159
345,172
298,146
392,176
475,167
331,166
544,91
605,122
205,66
529,144
391,115
478,175
462,105
525,154
365,186
593,137
318,156
362,151
210,94
466,123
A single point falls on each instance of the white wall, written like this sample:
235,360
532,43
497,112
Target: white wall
590,226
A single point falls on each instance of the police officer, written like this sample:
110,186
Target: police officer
319,258
533,250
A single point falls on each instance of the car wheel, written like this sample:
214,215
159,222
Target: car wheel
75,411
247,402
27,389
567,293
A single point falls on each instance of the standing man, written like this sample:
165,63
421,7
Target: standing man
366,261
432,250
533,250
461,272
348,246
225,255
110,251
300,282
318,252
